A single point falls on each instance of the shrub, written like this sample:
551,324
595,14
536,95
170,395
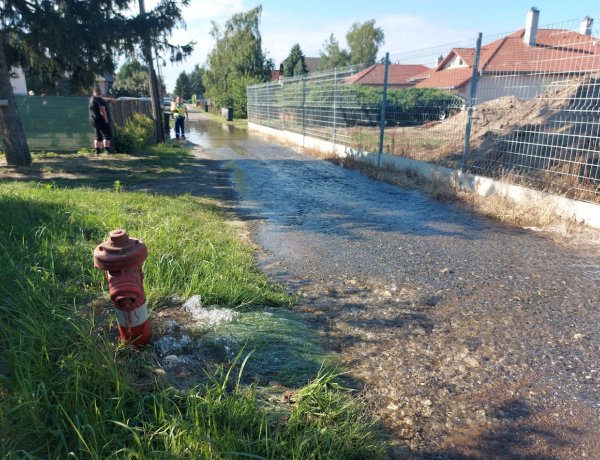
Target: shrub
408,106
238,93
137,133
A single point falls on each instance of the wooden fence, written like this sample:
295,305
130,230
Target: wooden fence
123,109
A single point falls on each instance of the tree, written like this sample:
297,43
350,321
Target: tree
77,39
13,138
197,81
183,86
332,56
364,41
132,80
294,64
236,56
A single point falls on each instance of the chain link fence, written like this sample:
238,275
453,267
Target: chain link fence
522,106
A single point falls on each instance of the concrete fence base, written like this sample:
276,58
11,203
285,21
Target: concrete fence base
586,213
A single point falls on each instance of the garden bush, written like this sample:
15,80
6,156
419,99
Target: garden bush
137,133
408,106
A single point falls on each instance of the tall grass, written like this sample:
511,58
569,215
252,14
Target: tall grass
65,391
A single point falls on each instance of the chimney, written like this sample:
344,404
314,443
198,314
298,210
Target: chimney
531,25
440,59
586,26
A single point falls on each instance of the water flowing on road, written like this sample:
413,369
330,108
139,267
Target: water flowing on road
473,339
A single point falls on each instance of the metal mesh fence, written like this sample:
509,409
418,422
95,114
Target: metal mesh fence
528,102
537,118
319,105
437,134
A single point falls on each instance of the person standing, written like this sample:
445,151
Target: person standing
100,121
180,112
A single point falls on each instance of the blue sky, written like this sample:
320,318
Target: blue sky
407,24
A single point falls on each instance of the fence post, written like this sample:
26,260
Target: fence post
283,102
383,109
335,91
304,104
471,103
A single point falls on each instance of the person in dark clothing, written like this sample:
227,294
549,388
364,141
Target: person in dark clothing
100,121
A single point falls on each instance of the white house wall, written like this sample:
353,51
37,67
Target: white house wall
19,84
524,87
455,62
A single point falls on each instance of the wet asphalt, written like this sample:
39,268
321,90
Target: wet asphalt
473,339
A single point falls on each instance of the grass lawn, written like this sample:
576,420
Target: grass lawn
67,389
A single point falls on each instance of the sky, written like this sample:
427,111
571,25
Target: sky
407,24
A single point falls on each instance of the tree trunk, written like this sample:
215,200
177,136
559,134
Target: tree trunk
14,143
156,103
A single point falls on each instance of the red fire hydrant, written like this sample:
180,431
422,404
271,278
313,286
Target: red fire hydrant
121,258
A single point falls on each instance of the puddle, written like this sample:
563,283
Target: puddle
206,133
192,340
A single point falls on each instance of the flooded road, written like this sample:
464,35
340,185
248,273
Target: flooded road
473,339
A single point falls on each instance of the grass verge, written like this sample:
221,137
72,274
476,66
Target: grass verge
67,391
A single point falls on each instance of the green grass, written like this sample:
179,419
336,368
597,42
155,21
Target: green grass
67,391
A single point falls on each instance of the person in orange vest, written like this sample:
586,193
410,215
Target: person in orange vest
180,113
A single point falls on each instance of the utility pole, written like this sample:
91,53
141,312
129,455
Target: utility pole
156,105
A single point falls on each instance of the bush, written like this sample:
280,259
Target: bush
137,133
408,106
238,93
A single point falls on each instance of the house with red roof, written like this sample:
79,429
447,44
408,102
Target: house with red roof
399,75
523,64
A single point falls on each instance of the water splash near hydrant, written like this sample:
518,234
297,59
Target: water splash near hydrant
122,257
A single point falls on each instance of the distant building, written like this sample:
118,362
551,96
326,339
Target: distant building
312,64
399,75
105,83
17,81
276,74
532,58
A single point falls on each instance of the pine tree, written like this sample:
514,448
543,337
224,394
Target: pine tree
197,81
294,64
72,37
183,87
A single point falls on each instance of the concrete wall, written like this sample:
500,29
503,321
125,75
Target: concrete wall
586,213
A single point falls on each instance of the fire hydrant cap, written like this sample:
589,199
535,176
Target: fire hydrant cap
119,252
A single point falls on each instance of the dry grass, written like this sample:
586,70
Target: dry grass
497,207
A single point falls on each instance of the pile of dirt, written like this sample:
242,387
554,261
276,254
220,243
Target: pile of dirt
562,120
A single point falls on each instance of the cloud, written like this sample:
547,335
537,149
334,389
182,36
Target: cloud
400,31
417,40
212,9
279,35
